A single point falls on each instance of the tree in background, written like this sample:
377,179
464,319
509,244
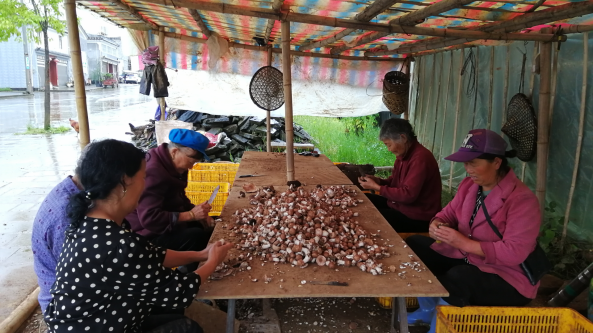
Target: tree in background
39,16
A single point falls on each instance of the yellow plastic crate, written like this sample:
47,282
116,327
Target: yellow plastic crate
387,302
216,166
211,176
470,319
199,197
207,187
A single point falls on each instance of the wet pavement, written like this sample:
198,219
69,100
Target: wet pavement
31,165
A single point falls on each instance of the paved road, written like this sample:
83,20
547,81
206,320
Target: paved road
31,165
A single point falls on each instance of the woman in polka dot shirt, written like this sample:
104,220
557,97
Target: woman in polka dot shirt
109,279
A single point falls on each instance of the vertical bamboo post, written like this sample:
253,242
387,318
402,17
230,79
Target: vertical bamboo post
77,73
425,120
287,78
554,79
505,93
268,119
461,56
162,102
436,106
420,89
491,91
577,156
446,105
543,126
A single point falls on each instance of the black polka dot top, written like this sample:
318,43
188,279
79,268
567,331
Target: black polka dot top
108,279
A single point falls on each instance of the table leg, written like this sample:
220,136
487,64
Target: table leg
399,309
230,316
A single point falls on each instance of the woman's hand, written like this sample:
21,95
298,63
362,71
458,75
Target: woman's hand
443,233
218,251
370,183
201,211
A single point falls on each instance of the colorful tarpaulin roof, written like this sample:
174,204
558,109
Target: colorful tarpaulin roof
174,17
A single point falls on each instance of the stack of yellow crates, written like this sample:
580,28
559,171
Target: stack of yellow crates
203,179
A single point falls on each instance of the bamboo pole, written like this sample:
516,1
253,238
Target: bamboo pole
77,73
531,87
287,78
200,22
276,6
505,93
377,28
268,118
279,50
491,91
456,117
577,156
446,105
419,101
425,120
543,128
524,21
436,104
374,9
554,79
18,316
162,102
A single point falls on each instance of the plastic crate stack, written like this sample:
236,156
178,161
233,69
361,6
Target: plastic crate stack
476,319
203,179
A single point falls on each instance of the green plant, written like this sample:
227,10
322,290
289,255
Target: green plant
576,254
358,125
329,136
108,76
5,89
52,130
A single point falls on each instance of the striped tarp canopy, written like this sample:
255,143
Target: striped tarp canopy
237,27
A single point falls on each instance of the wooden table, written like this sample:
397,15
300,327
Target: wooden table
286,280
309,170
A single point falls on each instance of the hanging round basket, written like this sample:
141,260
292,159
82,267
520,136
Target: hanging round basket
266,89
396,86
521,127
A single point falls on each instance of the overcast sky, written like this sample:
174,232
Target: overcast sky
92,24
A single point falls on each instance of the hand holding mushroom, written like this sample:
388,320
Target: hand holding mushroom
369,183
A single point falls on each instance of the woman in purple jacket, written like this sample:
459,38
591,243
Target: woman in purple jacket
463,251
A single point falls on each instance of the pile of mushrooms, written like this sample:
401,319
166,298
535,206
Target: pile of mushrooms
302,227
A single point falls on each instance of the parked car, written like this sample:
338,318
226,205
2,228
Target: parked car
133,78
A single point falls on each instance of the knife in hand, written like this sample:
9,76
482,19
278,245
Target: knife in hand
214,193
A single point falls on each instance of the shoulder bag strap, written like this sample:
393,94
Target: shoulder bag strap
490,221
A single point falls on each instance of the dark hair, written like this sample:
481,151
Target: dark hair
393,127
504,165
101,167
196,156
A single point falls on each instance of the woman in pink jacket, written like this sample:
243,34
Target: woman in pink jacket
463,251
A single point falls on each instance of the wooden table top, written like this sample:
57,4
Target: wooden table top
308,170
286,280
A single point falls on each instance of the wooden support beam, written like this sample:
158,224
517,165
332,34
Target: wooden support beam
524,21
573,29
366,15
276,6
162,102
278,50
409,19
287,82
543,124
200,22
134,13
269,113
340,23
77,73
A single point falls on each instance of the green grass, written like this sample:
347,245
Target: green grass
331,137
52,130
5,89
